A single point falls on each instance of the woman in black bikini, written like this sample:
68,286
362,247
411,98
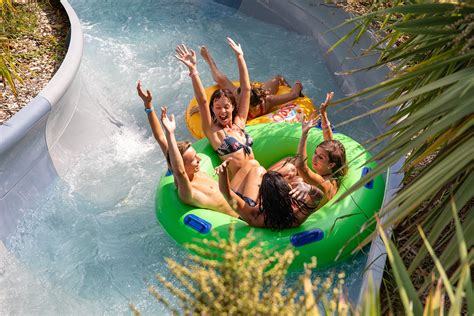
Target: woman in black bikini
223,123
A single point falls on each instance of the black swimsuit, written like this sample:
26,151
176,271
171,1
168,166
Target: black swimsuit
230,144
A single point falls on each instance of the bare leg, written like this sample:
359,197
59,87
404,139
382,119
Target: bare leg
272,85
253,182
286,167
278,165
219,77
248,178
237,183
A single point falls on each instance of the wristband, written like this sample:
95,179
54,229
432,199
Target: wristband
193,73
149,110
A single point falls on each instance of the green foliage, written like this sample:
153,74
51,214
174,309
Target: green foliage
9,27
21,21
442,293
8,69
6,7
429,48
6,10
253,283
17,21
246,282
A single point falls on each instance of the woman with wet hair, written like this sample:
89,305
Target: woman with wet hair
276,207
223,122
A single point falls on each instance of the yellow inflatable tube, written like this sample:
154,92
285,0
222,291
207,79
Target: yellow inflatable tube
288,112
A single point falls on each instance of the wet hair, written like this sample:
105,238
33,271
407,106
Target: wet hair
275,202
337,155
219,94
182,147
257,95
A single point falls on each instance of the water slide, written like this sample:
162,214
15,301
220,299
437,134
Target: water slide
41,143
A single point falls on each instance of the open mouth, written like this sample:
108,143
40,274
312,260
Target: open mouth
224,117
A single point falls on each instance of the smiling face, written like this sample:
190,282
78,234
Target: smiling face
321,163
222,109
191,161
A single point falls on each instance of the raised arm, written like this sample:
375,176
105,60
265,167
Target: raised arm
248,213
152,118
244,100
188,57
273,100
308,175
177,164
325,124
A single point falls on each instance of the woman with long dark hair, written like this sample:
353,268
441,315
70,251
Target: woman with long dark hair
276,208
223,122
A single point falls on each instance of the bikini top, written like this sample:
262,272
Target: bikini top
230,144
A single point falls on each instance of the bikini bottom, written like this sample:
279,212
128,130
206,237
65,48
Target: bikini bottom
246,199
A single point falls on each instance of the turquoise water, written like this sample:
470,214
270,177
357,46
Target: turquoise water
94,239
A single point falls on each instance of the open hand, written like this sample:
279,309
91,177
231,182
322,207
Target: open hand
324,105
169,123
145,97
223,166
235,47
187,57
300,190
313,119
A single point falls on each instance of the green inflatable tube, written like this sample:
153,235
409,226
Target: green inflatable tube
324,234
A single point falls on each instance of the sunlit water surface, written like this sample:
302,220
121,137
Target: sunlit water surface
94,240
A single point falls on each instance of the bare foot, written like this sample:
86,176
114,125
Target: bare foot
282,81
297,88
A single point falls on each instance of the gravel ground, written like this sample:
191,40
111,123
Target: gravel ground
38,55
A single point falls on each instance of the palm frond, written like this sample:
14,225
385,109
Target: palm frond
431,86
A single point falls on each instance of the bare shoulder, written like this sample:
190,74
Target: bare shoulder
330,188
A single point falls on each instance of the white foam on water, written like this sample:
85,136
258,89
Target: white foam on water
29,295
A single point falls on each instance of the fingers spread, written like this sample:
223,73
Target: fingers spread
185,49
180,49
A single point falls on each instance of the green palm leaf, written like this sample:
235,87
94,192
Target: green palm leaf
408,293
431,85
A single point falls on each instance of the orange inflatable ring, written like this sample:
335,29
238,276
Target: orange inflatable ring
288,112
